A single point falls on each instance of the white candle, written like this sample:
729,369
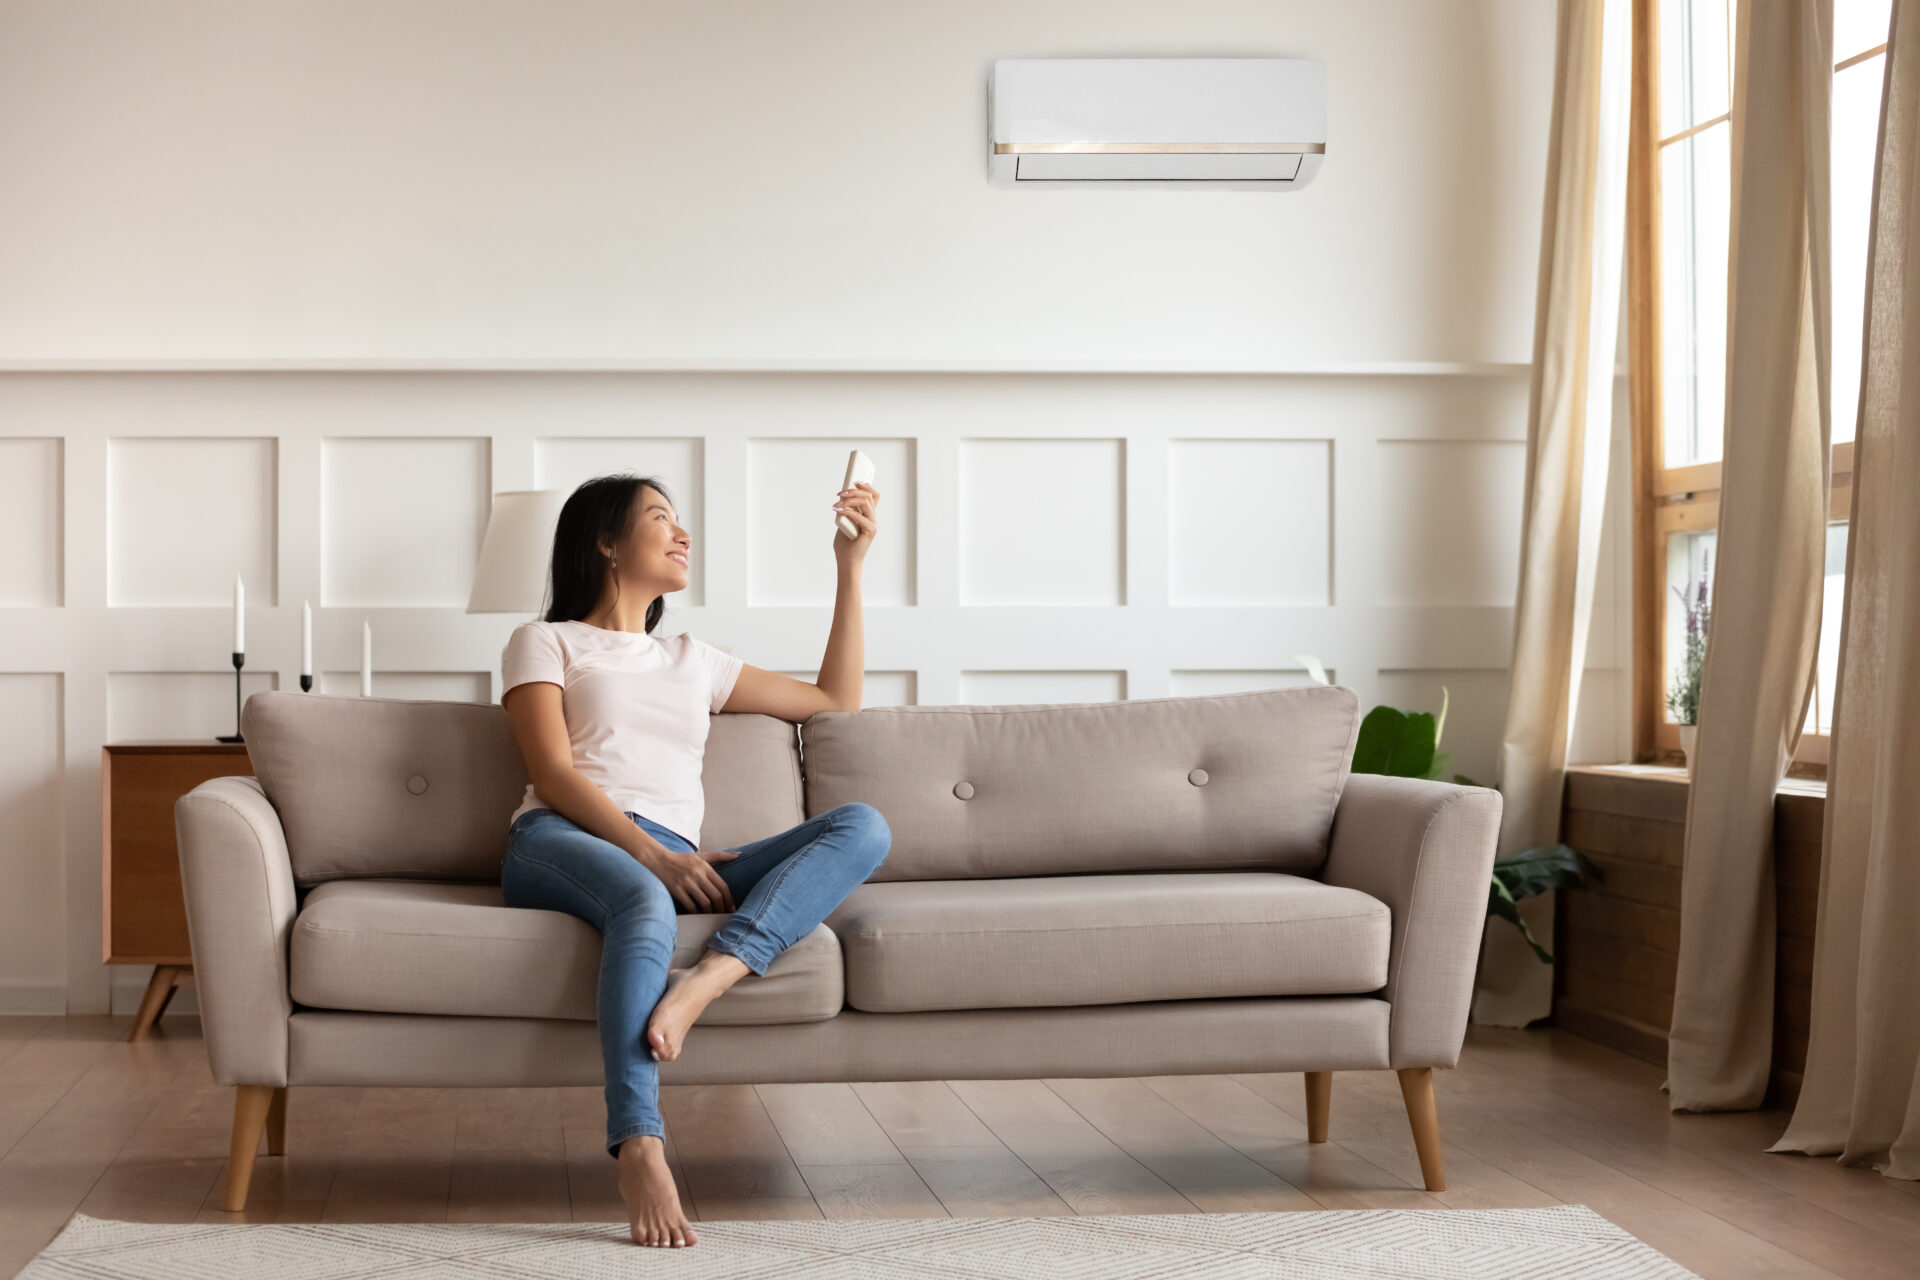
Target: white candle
239,615
306,638
366,659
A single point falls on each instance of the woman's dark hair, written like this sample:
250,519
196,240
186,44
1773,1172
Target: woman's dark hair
600,510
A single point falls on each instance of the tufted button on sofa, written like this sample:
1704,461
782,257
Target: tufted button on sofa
1067,894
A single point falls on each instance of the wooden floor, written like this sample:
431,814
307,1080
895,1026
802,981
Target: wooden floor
139,1131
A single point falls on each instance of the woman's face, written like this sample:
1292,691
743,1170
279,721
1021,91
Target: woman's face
659,553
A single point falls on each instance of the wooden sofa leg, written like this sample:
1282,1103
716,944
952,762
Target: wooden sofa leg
251,1102
277,1123
1319,1104
1416,1087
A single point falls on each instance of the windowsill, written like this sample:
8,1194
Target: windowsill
1676,775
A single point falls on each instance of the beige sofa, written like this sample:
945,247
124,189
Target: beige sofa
1157,886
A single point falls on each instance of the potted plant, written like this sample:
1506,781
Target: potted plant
1683,699
1406,745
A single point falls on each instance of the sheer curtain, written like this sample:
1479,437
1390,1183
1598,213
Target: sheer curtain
1569,418
1860,1099
1767,588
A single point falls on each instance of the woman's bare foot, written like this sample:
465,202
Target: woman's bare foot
687,994
656,1039
653,1202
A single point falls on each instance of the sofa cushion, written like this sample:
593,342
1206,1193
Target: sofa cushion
1235,780
403,946
424,790
913,945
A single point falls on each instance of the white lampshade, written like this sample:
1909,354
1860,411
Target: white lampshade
512,575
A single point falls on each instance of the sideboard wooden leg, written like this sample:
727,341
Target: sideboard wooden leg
1319,1104
1416,1088
159,991
277,1123
182,975
251,1102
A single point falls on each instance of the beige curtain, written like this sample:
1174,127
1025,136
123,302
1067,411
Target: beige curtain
1569,422
1771,554
1861,1096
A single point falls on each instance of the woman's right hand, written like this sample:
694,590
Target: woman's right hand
691,879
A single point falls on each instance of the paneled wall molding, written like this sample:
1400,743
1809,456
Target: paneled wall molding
1047,536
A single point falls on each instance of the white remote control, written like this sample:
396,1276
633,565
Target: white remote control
859,471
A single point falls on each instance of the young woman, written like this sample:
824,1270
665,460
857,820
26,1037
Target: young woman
613,723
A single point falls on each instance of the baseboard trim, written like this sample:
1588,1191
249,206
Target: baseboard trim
1635,1039
1783,1090
32,998
1649,1044
129,984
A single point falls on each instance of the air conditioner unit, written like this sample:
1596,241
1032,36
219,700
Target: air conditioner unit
1252,124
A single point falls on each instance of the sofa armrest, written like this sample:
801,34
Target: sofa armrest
240,908
1426,850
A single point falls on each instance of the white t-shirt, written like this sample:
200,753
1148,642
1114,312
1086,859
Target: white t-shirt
636,708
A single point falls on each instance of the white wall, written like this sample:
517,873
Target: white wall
285,290
479,179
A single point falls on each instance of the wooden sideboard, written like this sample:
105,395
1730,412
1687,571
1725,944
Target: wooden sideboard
143,912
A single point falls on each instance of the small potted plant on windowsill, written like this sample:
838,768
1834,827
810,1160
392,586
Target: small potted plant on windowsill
1683,699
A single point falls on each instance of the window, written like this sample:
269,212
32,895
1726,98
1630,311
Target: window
1680,198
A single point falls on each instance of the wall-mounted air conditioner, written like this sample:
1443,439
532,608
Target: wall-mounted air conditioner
1256,124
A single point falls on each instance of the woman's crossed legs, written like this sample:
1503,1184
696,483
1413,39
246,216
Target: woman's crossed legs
783,886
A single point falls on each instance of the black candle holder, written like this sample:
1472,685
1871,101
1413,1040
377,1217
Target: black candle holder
306,683
239,661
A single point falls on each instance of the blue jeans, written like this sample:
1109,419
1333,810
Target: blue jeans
782,886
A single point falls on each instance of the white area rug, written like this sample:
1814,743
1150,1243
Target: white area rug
1479,1244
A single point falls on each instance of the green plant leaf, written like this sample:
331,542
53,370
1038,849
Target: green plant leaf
1462,780
1500,903
1394,743
1553,866
1438,769
1440,725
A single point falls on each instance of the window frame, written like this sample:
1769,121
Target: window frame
1685,499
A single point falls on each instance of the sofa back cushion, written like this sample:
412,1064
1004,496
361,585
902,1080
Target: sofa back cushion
424,790
1221,781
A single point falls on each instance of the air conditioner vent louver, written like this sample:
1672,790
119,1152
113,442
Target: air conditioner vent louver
1246,123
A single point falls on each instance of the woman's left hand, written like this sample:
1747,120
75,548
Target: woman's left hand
857,505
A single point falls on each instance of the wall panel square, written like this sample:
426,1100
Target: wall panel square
1197,683
678,461
32,563
1476,714
32,869
877,688
185,515
402,519
1042,522
436,686
143,706
791,483
1249,522
1449,521
987,688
